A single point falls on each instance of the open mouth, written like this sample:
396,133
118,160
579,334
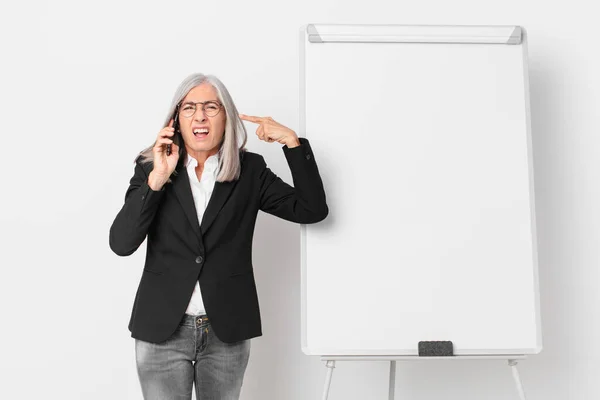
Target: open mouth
200,132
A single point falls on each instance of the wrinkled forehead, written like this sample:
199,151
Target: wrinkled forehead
192,101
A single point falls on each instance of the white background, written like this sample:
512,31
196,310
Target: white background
66,298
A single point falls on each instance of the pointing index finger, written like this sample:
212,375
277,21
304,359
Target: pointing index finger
251,118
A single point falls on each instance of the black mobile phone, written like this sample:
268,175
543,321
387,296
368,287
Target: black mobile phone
175,129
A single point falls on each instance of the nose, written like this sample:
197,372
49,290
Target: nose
199,115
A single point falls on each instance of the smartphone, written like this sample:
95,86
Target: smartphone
176,131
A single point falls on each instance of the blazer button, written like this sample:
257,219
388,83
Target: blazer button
308,156
198,259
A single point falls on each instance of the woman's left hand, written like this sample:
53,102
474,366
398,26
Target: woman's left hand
270,130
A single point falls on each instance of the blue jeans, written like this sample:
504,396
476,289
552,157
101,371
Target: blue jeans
192,355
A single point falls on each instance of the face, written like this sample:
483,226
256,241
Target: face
202,146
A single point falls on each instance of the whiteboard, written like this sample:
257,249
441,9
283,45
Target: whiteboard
422,138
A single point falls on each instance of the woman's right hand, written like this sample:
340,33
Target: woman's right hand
163,165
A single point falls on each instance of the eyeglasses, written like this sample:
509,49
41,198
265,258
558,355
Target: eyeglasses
210,108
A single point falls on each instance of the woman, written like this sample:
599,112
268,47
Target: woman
196,307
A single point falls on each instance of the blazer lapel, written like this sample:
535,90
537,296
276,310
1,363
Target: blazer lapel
219,196
183,191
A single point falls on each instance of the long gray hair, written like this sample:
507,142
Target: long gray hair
234,139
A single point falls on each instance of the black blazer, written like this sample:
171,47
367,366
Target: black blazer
217,252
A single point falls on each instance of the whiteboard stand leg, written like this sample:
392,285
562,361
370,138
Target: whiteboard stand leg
392,379
513,365
330,366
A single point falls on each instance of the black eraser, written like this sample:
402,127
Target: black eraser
436,348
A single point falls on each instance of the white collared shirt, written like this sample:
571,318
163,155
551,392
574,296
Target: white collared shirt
201,191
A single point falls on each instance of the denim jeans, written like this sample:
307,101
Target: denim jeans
193,355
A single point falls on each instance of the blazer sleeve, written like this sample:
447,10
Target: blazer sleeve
303,203
130,227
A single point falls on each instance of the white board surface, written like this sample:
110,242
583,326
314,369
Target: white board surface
425,153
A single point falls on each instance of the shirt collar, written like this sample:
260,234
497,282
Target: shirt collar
210,164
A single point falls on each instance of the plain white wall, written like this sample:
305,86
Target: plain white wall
67,160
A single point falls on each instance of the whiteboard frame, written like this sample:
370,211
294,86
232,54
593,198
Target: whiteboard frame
312,34
340,33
